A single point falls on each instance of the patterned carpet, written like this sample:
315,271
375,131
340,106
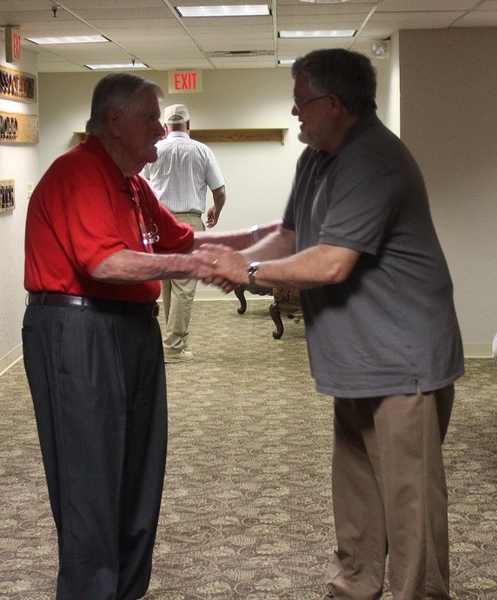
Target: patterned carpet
246,511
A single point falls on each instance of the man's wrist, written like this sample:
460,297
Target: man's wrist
252,271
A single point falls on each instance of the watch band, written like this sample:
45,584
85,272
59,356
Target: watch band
255,234
252,273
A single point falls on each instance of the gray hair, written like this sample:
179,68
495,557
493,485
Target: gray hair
349,75
117,90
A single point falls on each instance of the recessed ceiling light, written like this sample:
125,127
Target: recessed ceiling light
69,39
242,10
115,66
332,33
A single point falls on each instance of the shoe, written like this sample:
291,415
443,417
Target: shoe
182,356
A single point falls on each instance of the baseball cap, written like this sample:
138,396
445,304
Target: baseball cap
176,113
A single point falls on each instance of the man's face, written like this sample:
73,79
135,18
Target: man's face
314,113
141,131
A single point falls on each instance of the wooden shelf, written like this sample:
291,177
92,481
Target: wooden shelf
239,135
227,135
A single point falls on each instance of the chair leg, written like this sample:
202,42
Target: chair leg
274,311
240,294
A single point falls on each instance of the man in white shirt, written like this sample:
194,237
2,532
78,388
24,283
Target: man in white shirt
180,177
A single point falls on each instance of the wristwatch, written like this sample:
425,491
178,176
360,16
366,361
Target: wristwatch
252,273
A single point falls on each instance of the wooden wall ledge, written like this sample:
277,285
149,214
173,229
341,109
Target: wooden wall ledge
228,135
239,135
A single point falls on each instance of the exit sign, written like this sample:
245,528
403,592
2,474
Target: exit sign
185,82
12,45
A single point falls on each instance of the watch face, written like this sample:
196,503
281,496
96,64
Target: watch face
252,272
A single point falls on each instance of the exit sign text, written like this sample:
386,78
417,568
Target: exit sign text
181,82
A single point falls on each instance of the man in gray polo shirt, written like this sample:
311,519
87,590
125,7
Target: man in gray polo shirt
358,241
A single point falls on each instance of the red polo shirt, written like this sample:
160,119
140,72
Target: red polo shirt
80,213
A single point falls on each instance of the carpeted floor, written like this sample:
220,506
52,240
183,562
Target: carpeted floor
246,511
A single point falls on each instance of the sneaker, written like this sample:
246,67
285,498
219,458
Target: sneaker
182,356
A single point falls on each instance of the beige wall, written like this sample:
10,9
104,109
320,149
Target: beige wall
449,121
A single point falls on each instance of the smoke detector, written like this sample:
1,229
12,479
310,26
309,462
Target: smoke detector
380,49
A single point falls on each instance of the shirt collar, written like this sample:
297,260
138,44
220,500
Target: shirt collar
95,147
177,134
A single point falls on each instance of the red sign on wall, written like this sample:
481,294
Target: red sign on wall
12,45
185,82
16,43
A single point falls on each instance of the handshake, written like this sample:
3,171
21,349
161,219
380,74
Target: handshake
219,265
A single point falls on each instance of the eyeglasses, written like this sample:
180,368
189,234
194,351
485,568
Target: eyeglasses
298,104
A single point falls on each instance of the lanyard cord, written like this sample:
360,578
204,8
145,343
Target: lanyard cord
148,237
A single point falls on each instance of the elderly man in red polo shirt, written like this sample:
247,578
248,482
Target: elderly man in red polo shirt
98,243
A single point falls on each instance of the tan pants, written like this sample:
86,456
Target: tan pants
390,497
178,296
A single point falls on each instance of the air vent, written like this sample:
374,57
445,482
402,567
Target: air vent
239,53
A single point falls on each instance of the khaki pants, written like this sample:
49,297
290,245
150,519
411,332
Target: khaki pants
178,296
390,497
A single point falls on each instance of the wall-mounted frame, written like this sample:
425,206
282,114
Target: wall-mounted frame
17,85
7,195
16,128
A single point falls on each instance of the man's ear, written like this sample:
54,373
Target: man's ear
337,105
114,121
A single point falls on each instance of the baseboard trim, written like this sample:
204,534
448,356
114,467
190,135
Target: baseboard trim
478,350
216,294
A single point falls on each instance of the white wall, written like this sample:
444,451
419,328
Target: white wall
20,163
448,120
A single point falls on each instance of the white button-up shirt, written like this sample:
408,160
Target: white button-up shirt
182,173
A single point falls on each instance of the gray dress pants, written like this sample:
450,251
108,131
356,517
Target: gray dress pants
98,385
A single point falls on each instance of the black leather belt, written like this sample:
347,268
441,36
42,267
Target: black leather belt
136,309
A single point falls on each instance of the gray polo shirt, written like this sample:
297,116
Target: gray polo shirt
392,324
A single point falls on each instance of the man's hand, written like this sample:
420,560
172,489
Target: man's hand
227,267
212,217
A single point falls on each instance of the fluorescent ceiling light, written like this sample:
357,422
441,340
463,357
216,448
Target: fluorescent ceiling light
332,33
286,61
69,39
113,67
247,10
